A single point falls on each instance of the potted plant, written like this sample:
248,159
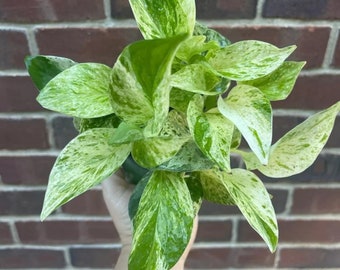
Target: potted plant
171,111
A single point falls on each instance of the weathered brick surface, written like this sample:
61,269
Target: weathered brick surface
5,234
31,170
336,58
17,94
63,131
302,9
214,231
23,134
13,49
34,258
210,258
309,258
94,257
18,203
90,203
321,201
34,11
101,44
63,232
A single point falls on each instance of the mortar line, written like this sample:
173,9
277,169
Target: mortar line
331,46
32,42
259,9
107,9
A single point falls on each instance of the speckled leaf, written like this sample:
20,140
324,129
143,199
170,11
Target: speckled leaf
299,148
140,82
195,45
107,121
126,133
211,35
196,190
253,200
83,163
214,187
180,99
81,91
175,125
197,78
163,223
43,68
248,60
251,112
163,19
188,159
212,133
279,84
151,152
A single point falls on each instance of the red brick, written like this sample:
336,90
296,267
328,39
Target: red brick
222,9
18,94
316,201
22,258
63,131
311,41
33,11
302,9
94,257
120,9
62,232
209,208
312,93
13,49
19,134
207,258
5,234
89,203
310,258
18,203
310,231
336,59
101,45
297,231
30,170
214,231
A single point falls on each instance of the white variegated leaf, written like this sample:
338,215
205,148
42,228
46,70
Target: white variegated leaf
83,163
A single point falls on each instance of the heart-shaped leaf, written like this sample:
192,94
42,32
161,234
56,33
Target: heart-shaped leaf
81,91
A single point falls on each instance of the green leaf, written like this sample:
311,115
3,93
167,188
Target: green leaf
43,68
133,173
180,99
163,19
248,60
211,132
251,112
195,45
253,200
211,35
81,91
197,78
175,125
214,187
107,121
299,148
151,152
196,191
279,84
188,159
163,223
140,83
83,163
126,133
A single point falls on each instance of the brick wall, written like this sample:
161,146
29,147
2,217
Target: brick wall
81,234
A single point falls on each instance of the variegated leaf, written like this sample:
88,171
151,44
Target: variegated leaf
251,112
81,91
163,223
83,163
212,133
151,152
248,60
298,149
278,84
164,19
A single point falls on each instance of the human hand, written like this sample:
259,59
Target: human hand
116,193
